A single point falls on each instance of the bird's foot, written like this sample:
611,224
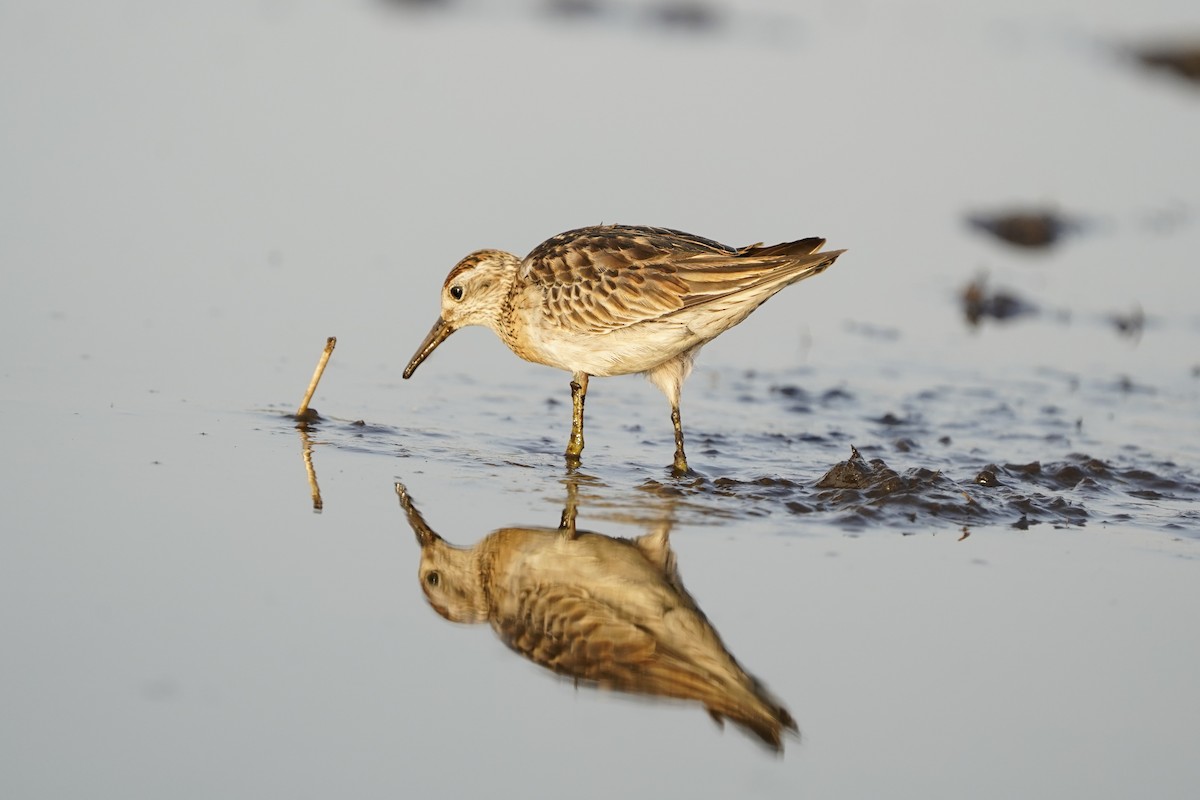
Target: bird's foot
680,468
574,447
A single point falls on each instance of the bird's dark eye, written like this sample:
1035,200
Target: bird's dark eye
433,578
456,292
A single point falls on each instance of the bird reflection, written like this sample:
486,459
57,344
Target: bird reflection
607,612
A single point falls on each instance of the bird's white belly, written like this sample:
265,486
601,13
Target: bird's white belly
620,352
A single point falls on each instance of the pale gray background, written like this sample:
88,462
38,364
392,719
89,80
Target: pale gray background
194,196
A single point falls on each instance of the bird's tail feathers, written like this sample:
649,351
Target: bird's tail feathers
758,713
800,247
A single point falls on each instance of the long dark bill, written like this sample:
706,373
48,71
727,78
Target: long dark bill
437,335
425,534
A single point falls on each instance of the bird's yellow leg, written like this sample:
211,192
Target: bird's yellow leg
579,385
680,467
566,524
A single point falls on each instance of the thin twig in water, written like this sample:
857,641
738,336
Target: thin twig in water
302,413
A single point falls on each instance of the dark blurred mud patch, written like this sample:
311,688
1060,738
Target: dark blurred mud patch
1130,324
859,494
419,5
1181,59
575,9
980,302
801,401
686,15
1031,229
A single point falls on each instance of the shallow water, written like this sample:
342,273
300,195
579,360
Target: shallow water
962,553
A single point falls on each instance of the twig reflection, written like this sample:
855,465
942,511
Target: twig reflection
306,449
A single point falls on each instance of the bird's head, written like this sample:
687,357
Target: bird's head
472,294
449,575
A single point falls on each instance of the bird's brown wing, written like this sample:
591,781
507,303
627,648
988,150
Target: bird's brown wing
568,631
606,278
754,270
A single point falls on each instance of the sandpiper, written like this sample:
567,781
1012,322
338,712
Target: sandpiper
618,299
611,613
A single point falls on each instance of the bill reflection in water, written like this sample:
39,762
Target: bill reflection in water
607,612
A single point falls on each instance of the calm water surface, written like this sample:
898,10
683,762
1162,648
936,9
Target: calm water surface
963,555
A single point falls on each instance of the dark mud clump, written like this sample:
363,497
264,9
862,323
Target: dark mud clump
860,493
980,302
1029,229
866,492
1180,60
